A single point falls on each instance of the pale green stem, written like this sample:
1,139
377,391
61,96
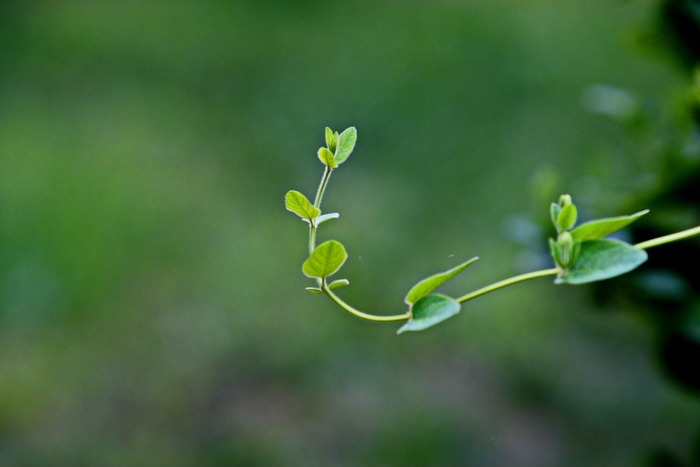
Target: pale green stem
506,282
317,203
322,187
669,238
360,314
312,238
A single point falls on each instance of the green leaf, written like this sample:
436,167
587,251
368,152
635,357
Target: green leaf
327,158
300,205
554,250
331,140
338,283
600,228
346,143
554,210
314,290
429,311
325,260
576,252
427,285
567,217
603,259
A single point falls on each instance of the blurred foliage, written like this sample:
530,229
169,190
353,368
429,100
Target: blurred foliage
150,303
667,293
680,22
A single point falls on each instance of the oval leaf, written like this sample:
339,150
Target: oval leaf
429,311
300,205
427,285
603,259
600,228
567,217
346,143
327,158
325,260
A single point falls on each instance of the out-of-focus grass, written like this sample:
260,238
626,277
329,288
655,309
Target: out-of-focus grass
152,310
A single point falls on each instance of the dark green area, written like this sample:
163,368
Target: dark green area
152,308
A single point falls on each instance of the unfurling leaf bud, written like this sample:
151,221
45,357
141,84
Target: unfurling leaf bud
566,249
327,158
331,140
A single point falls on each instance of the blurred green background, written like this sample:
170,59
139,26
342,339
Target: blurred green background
152,307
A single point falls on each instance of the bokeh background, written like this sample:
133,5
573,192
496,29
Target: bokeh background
152,307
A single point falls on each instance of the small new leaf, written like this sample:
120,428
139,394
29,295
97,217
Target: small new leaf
603,259
554,210
314,290
601,228
325,260
327,158
427,285
346,143
325,217
566,218
429,311
338,283
300,205
331,140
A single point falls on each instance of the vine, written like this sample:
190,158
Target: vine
581,253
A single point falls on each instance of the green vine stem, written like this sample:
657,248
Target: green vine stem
582,253
322,187
674,237
317,204
361,314
322,283
506,282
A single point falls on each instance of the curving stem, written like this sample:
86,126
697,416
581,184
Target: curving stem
506,282
360,314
